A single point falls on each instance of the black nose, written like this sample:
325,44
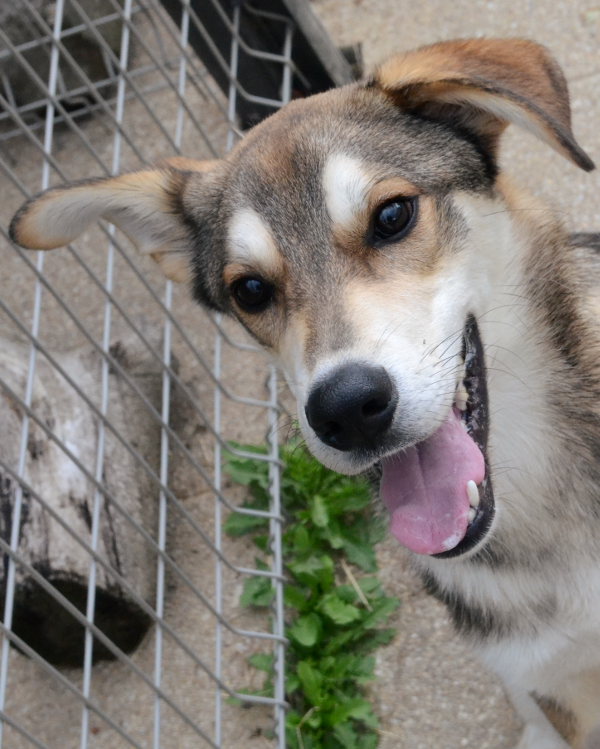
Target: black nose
353,407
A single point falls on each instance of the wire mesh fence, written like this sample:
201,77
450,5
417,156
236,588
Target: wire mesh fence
118,395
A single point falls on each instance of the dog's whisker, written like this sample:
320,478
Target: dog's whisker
540,209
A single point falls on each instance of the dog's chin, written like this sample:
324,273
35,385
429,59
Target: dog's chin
335,460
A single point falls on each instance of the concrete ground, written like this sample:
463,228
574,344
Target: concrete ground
430,692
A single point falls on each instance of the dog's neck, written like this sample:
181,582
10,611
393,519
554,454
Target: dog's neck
544,444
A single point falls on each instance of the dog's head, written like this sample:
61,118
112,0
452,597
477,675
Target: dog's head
346,235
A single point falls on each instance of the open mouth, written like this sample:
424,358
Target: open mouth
439,491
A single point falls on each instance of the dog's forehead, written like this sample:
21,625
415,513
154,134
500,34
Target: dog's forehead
363,123
313,158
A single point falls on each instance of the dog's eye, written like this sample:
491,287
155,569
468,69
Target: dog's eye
252,293
394,219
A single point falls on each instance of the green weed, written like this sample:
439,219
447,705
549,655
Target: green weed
336,616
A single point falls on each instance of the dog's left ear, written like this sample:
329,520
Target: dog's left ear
483,85
147,205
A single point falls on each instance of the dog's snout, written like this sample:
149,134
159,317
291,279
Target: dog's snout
353,407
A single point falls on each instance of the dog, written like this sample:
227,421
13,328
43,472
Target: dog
435,324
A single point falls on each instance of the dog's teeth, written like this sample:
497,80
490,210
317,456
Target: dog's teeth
461,398
472,513
473,493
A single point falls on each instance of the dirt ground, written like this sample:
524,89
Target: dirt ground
430,692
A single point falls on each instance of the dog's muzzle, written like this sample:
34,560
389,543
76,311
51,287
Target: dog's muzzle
438,491
353,407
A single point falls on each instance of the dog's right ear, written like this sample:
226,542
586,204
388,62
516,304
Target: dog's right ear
483,85
147,205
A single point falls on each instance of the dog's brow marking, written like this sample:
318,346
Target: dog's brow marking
251,241
345,184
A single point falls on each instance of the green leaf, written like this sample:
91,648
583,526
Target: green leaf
368,741
359,709
262,542
238,524
309,741
348,665
337,642
333,535
244,471
346,735
301,539
361,554
314,720
262,661
327,665
318,512
314,570
352,498
377,638
292,683
370,586
381,611
296,598
338,611
330,742
258,591
292,720
347,593
311,681
363,668
306,630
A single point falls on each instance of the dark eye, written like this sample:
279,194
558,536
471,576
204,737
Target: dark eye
252,293
394,219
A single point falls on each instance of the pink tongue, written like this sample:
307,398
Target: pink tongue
425,488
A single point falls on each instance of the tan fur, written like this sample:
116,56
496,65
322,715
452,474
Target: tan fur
61,214
292,347
515,80
233,271
185,164
174,265
581,695
517,64
560,718
390,188
351,239
140,204
419,259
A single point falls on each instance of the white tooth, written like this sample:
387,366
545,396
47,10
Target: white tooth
472,513
473,493
461,398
